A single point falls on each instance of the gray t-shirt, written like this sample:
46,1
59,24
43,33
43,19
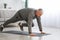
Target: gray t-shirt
26,13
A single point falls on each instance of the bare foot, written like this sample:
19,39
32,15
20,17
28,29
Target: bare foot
32,34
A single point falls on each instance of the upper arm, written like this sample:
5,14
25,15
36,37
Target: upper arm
30,18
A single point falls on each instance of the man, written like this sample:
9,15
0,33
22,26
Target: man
26,14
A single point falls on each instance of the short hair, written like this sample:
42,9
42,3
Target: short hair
40,9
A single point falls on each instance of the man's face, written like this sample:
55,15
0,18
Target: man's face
39,12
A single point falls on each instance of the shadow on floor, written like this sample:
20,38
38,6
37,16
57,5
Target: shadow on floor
25,33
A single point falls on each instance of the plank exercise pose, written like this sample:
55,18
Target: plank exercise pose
26,14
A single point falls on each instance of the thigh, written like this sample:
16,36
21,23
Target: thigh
16,18
26,24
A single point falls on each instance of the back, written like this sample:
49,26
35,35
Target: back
24,13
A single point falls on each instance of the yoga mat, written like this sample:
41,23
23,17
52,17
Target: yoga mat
25,33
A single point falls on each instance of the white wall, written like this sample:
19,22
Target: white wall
12,7
51,9
13,4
